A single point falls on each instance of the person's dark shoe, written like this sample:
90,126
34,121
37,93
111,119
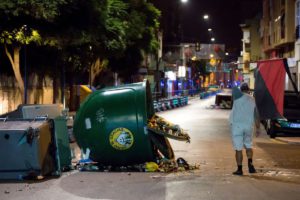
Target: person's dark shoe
251,169
238,172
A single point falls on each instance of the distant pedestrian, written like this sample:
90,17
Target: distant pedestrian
222,85
242,119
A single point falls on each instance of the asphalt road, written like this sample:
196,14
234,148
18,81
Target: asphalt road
278,166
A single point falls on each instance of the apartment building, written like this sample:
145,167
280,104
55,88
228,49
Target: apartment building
251,51
278,28
279,33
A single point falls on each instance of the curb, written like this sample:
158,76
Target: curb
289,140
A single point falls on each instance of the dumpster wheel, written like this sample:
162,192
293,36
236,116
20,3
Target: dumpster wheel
162,144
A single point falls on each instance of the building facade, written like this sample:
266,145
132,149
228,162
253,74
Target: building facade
278,31
277,36
297,40
278,28
251,49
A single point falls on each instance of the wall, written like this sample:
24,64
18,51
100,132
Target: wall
40,91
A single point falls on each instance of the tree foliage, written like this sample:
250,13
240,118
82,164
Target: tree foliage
82,32
19,20
143,24
37,9
199,67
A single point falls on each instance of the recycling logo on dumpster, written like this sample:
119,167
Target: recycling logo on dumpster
121,138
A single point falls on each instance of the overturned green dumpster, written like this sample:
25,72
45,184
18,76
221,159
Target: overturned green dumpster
113,127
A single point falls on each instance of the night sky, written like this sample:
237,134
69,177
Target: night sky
225,19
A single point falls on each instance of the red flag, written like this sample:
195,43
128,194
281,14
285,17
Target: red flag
269,88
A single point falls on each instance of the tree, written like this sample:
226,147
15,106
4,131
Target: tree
111,33
88,31
199,68
86,34
141,38
71,27
18,19
16,38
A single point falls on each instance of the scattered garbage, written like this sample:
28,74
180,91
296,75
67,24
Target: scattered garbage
176,166
163,165
225,104
151,167
212,107
162,127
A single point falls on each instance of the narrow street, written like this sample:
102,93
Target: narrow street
277,162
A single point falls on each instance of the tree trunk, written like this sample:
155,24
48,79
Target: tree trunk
97,67
73,95
116,79
15,63
56,90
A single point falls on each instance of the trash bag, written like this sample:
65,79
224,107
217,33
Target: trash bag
151,167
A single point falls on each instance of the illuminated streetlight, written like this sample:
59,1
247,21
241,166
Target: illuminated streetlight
184,1
205,17
226,53
212,39
209,29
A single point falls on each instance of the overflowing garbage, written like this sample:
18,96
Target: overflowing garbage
159,130
161,126
118,127
165,160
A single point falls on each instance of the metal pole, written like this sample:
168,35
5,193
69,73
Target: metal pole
63,87
91,76
25,68
157,76
90,66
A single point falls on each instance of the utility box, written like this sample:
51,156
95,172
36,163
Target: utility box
26,149
59,131
111,125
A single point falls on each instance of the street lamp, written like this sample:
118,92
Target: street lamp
212,39
205,17
184,1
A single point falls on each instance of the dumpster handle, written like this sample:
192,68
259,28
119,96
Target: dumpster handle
41,118
3,119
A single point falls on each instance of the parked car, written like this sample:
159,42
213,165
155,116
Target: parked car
291,122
